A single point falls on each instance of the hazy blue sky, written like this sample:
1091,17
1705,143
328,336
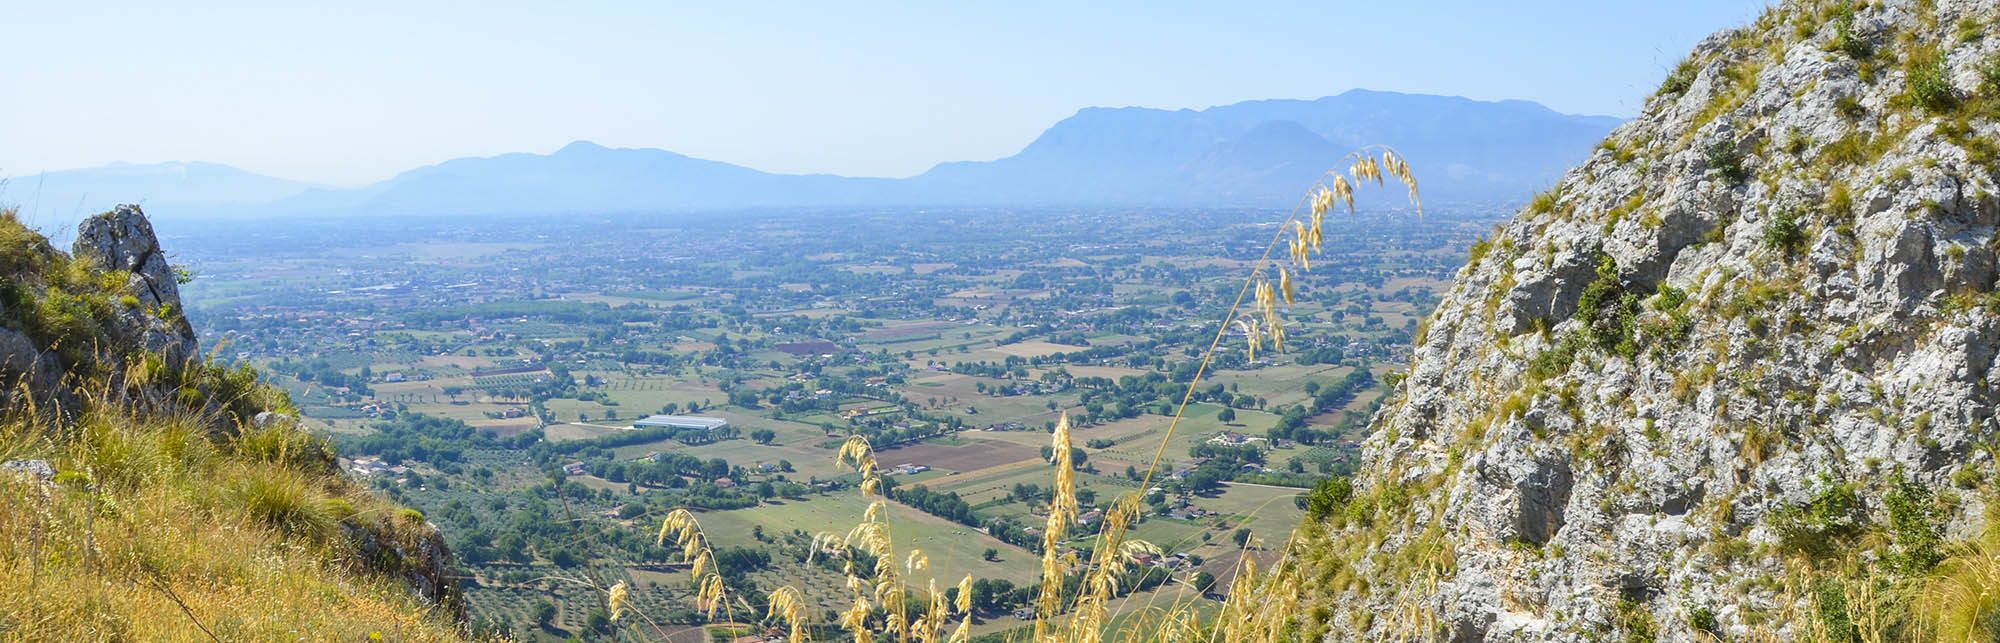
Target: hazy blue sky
351,92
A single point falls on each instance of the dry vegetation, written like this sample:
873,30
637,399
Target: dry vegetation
158,529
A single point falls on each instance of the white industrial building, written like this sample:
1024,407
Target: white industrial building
680,422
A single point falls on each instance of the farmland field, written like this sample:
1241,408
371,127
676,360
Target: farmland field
513,350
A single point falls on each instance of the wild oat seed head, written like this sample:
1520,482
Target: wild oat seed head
1252,333
855,619
701,563
712,593
618,598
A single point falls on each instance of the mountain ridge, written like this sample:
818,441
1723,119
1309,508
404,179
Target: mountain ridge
1476,150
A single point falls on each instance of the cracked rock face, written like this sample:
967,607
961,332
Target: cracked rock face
123,240
1776,281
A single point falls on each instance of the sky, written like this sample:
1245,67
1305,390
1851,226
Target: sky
348,93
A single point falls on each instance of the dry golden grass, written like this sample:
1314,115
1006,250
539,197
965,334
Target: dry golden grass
155,532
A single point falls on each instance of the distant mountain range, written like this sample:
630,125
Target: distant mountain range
180,188
1255,153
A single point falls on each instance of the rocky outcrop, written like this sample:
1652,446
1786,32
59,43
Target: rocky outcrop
91,328
122,240
1757,312
413,552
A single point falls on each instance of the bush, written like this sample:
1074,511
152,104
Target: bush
544,613
1917,528
1636,623
1929,85
1835,622
1845,41
1702,619
1725,161
1329,497
1784,233
1822,526
1679,79
1609,313
1556,359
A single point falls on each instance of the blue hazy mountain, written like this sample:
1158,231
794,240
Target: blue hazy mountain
1266,152
58,199
584,177
1255,153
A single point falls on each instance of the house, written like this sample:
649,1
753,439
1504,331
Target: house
911,469
1228,438
1089,518
367,466
724,483
573,468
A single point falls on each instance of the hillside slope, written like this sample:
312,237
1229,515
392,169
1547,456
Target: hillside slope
148,494
1730,377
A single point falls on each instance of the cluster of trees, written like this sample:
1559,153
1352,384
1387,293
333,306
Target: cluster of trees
1292,423
429,439
326,375
943,505
662,473
1015,367
882,433
1330,354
